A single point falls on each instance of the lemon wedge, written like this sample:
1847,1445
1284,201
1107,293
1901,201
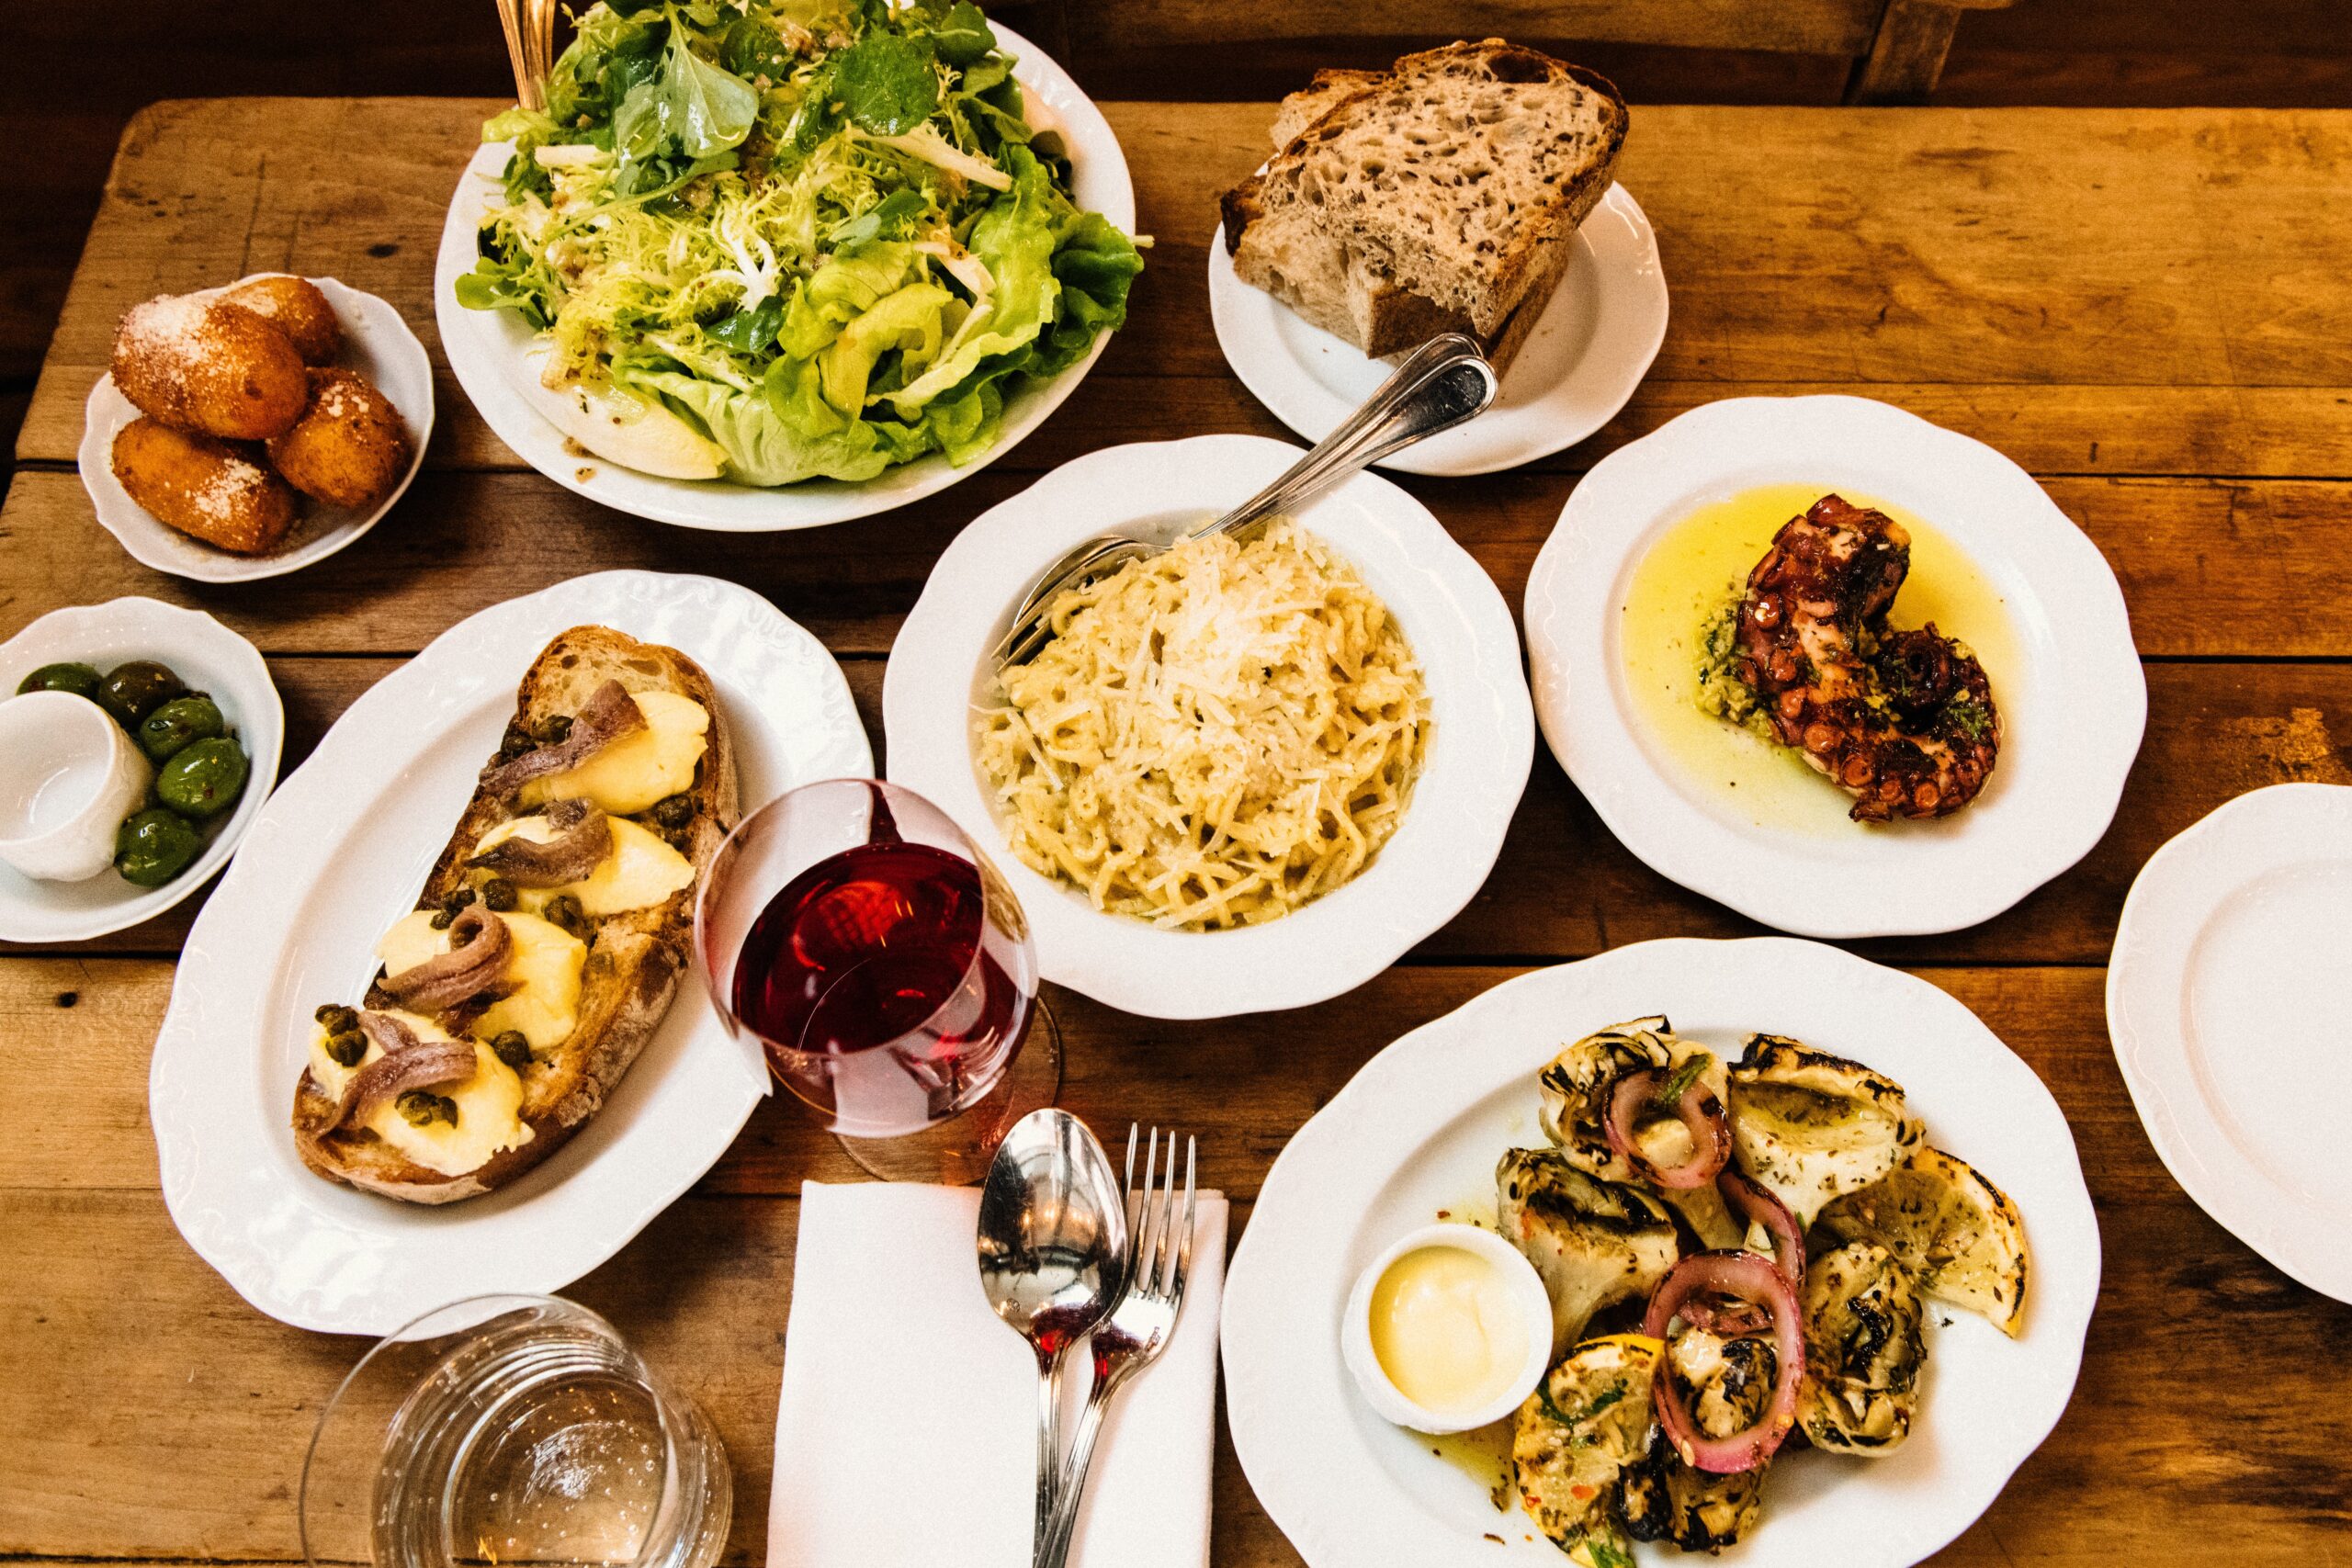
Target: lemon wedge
1955,1230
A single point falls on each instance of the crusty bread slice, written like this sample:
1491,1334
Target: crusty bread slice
635,958
1444,196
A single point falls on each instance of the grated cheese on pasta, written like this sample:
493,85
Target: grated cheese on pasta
1216,735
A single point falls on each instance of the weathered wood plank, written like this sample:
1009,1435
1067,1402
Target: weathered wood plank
1792,27
2001,270
103,1296
1565,887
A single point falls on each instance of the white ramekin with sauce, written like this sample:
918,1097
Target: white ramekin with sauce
1449,1329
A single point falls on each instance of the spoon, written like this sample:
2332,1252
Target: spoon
1443,383
1053,1245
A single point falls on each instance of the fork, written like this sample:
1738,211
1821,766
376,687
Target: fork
529,26
1138,1327
1443,383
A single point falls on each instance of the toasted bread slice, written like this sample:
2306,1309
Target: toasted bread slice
635,959
1444,196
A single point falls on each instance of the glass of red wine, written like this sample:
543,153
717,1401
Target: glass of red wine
886,972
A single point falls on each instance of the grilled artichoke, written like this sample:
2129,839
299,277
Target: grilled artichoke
1810,1127
1595,1243
1863,1352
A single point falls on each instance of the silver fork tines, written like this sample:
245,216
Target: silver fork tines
1139,1328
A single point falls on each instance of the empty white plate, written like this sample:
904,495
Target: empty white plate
2228,999
1585,356
377,343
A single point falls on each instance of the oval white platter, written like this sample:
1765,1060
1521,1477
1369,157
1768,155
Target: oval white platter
491,354
336,857
377,342
210,659
1420,1128
2228,1005
1590,348
2071,718
1482,741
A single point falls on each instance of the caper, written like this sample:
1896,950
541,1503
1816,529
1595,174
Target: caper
518,740
204,779
179,724
457,899
79,679
422,1108
346,1047
443,919
336,1018
564,911
131,692
552,730
674,811
155,846
509,1046
498,894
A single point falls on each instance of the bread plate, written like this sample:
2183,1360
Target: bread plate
1592,347
377,343
496,357
1482,739
2235,930
1418,1130
336,858
2072,709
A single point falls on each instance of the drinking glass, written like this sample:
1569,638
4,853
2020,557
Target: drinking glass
886,970
511,1428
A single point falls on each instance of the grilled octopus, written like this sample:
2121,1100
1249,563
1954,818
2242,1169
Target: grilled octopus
1901,720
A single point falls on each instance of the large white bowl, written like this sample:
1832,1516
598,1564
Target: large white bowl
1419,1130
1480,749
489,352
337,857
378,343
210,659
2071,718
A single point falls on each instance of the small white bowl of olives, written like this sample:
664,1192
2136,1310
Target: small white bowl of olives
203,725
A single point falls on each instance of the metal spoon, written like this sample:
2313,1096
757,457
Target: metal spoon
1053,1245
1443,383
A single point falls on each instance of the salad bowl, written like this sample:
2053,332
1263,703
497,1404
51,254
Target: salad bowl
497,358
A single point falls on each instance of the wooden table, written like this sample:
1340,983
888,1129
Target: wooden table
2150,311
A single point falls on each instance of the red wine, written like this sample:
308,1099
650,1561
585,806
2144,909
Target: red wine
874,980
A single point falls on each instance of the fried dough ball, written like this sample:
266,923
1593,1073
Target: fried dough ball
209,366
211,489
299,309
349,448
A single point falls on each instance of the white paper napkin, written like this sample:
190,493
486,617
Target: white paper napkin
906,1434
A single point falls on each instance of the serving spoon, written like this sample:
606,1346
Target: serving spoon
1443,383
1053,1245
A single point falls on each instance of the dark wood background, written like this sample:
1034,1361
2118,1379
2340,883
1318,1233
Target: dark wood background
71,74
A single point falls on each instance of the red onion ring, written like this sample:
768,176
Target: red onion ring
478,945
585,837
609,714
1751,1200
1697,1110
1749,1277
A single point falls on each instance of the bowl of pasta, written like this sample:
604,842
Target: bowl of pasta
1245,775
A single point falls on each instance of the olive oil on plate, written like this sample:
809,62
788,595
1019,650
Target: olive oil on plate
1687,575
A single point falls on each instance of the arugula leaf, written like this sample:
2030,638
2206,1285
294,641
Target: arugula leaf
689,106
748,331
752,47
886,83
962,37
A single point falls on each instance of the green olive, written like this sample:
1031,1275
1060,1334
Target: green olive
169,730
131,692
79,679
204,779
155,846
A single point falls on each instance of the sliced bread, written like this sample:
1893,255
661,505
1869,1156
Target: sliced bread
1442,195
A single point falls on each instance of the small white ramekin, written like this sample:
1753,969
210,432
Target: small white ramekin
1526,1288
42,735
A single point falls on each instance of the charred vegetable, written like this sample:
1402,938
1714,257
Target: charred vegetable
1810,1127
1586,1421
1863,1352
1595,1243
1665,1499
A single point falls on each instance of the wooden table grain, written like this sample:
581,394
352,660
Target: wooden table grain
2150,311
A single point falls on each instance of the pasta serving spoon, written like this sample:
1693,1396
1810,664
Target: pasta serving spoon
1443,383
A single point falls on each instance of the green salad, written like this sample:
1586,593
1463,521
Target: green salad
824,233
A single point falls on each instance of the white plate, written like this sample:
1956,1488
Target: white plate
337,857
377,343
2071,718
1481,746
1419,1129
1585,356
2228,1001
489,352
210,659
